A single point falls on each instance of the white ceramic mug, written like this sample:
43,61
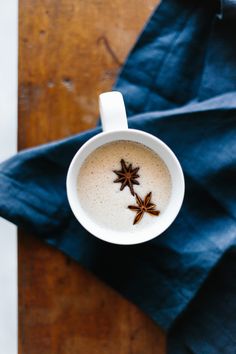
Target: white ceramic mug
115,127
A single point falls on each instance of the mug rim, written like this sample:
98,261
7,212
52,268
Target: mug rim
86,220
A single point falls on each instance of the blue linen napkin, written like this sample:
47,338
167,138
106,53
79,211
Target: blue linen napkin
179,84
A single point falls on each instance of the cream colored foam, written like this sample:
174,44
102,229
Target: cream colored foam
103,200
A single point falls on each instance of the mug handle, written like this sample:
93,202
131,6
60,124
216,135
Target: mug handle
112,111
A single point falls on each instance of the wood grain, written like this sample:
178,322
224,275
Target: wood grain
69,52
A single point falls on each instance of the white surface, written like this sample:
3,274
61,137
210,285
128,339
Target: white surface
8,146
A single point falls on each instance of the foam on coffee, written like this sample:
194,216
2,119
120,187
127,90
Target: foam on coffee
102,199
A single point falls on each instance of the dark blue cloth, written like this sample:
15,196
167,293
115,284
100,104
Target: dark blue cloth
179,83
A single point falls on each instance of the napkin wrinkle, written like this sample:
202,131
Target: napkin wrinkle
224,103
183,65
204,327
214,196
31,206
152,86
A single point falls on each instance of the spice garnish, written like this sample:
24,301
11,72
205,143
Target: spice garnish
127,176
143,206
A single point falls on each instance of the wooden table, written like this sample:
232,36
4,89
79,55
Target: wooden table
70,51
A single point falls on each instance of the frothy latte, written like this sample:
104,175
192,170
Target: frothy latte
103,200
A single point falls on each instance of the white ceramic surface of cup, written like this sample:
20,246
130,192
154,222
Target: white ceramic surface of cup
115,128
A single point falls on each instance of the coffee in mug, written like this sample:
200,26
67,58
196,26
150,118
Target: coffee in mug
124,186
114,181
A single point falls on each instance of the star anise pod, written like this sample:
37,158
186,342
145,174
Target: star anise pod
127,176
143,206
